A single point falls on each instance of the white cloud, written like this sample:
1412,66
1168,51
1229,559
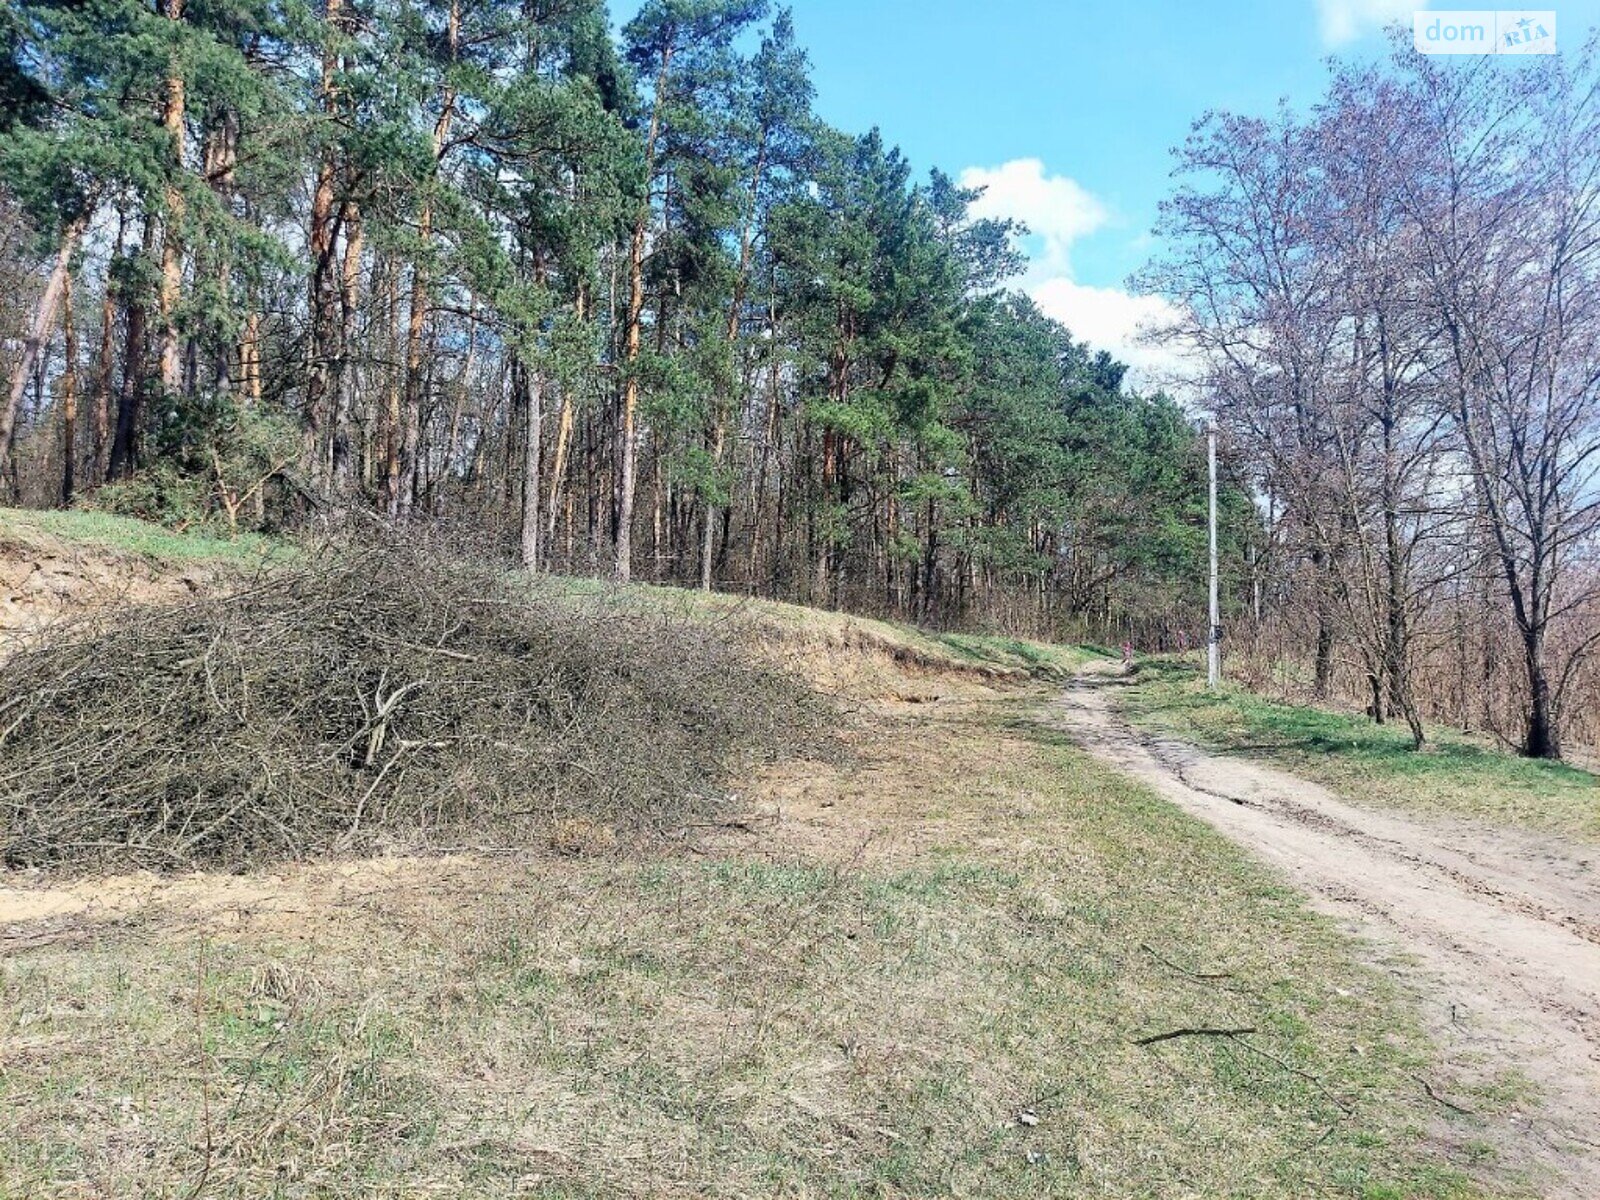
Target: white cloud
1059,211
1115,320
1343,21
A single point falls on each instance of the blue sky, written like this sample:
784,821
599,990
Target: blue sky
1068,110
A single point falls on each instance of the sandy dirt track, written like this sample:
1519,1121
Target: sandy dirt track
1499,931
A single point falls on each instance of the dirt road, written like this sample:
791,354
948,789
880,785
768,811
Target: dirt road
1498,932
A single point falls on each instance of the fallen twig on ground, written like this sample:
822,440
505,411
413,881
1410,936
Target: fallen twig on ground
1193,1031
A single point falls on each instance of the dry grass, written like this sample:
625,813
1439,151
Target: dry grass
854,654
921,975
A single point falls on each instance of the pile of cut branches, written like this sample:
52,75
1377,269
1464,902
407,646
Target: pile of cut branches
374,696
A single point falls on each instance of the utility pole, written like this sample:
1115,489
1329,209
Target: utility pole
1214,633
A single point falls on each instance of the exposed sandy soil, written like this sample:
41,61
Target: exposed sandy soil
1498,932
44,579
873,810
295,901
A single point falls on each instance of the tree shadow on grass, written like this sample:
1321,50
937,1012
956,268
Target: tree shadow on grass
1239,722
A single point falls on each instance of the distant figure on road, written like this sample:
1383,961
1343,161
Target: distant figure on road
1127,656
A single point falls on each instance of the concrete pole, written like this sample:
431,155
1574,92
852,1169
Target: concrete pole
1214,633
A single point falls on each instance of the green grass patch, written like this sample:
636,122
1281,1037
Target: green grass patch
1048,659
128,535
1452,775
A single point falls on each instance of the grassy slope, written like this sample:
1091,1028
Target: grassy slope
996,653
1452,775
1003,655
125,535
925,979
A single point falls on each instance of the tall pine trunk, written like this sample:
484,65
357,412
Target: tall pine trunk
627,433
415,383
105,368
341,451
719,406
44,319
321,349
69,397
130,401
172,122
533,415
